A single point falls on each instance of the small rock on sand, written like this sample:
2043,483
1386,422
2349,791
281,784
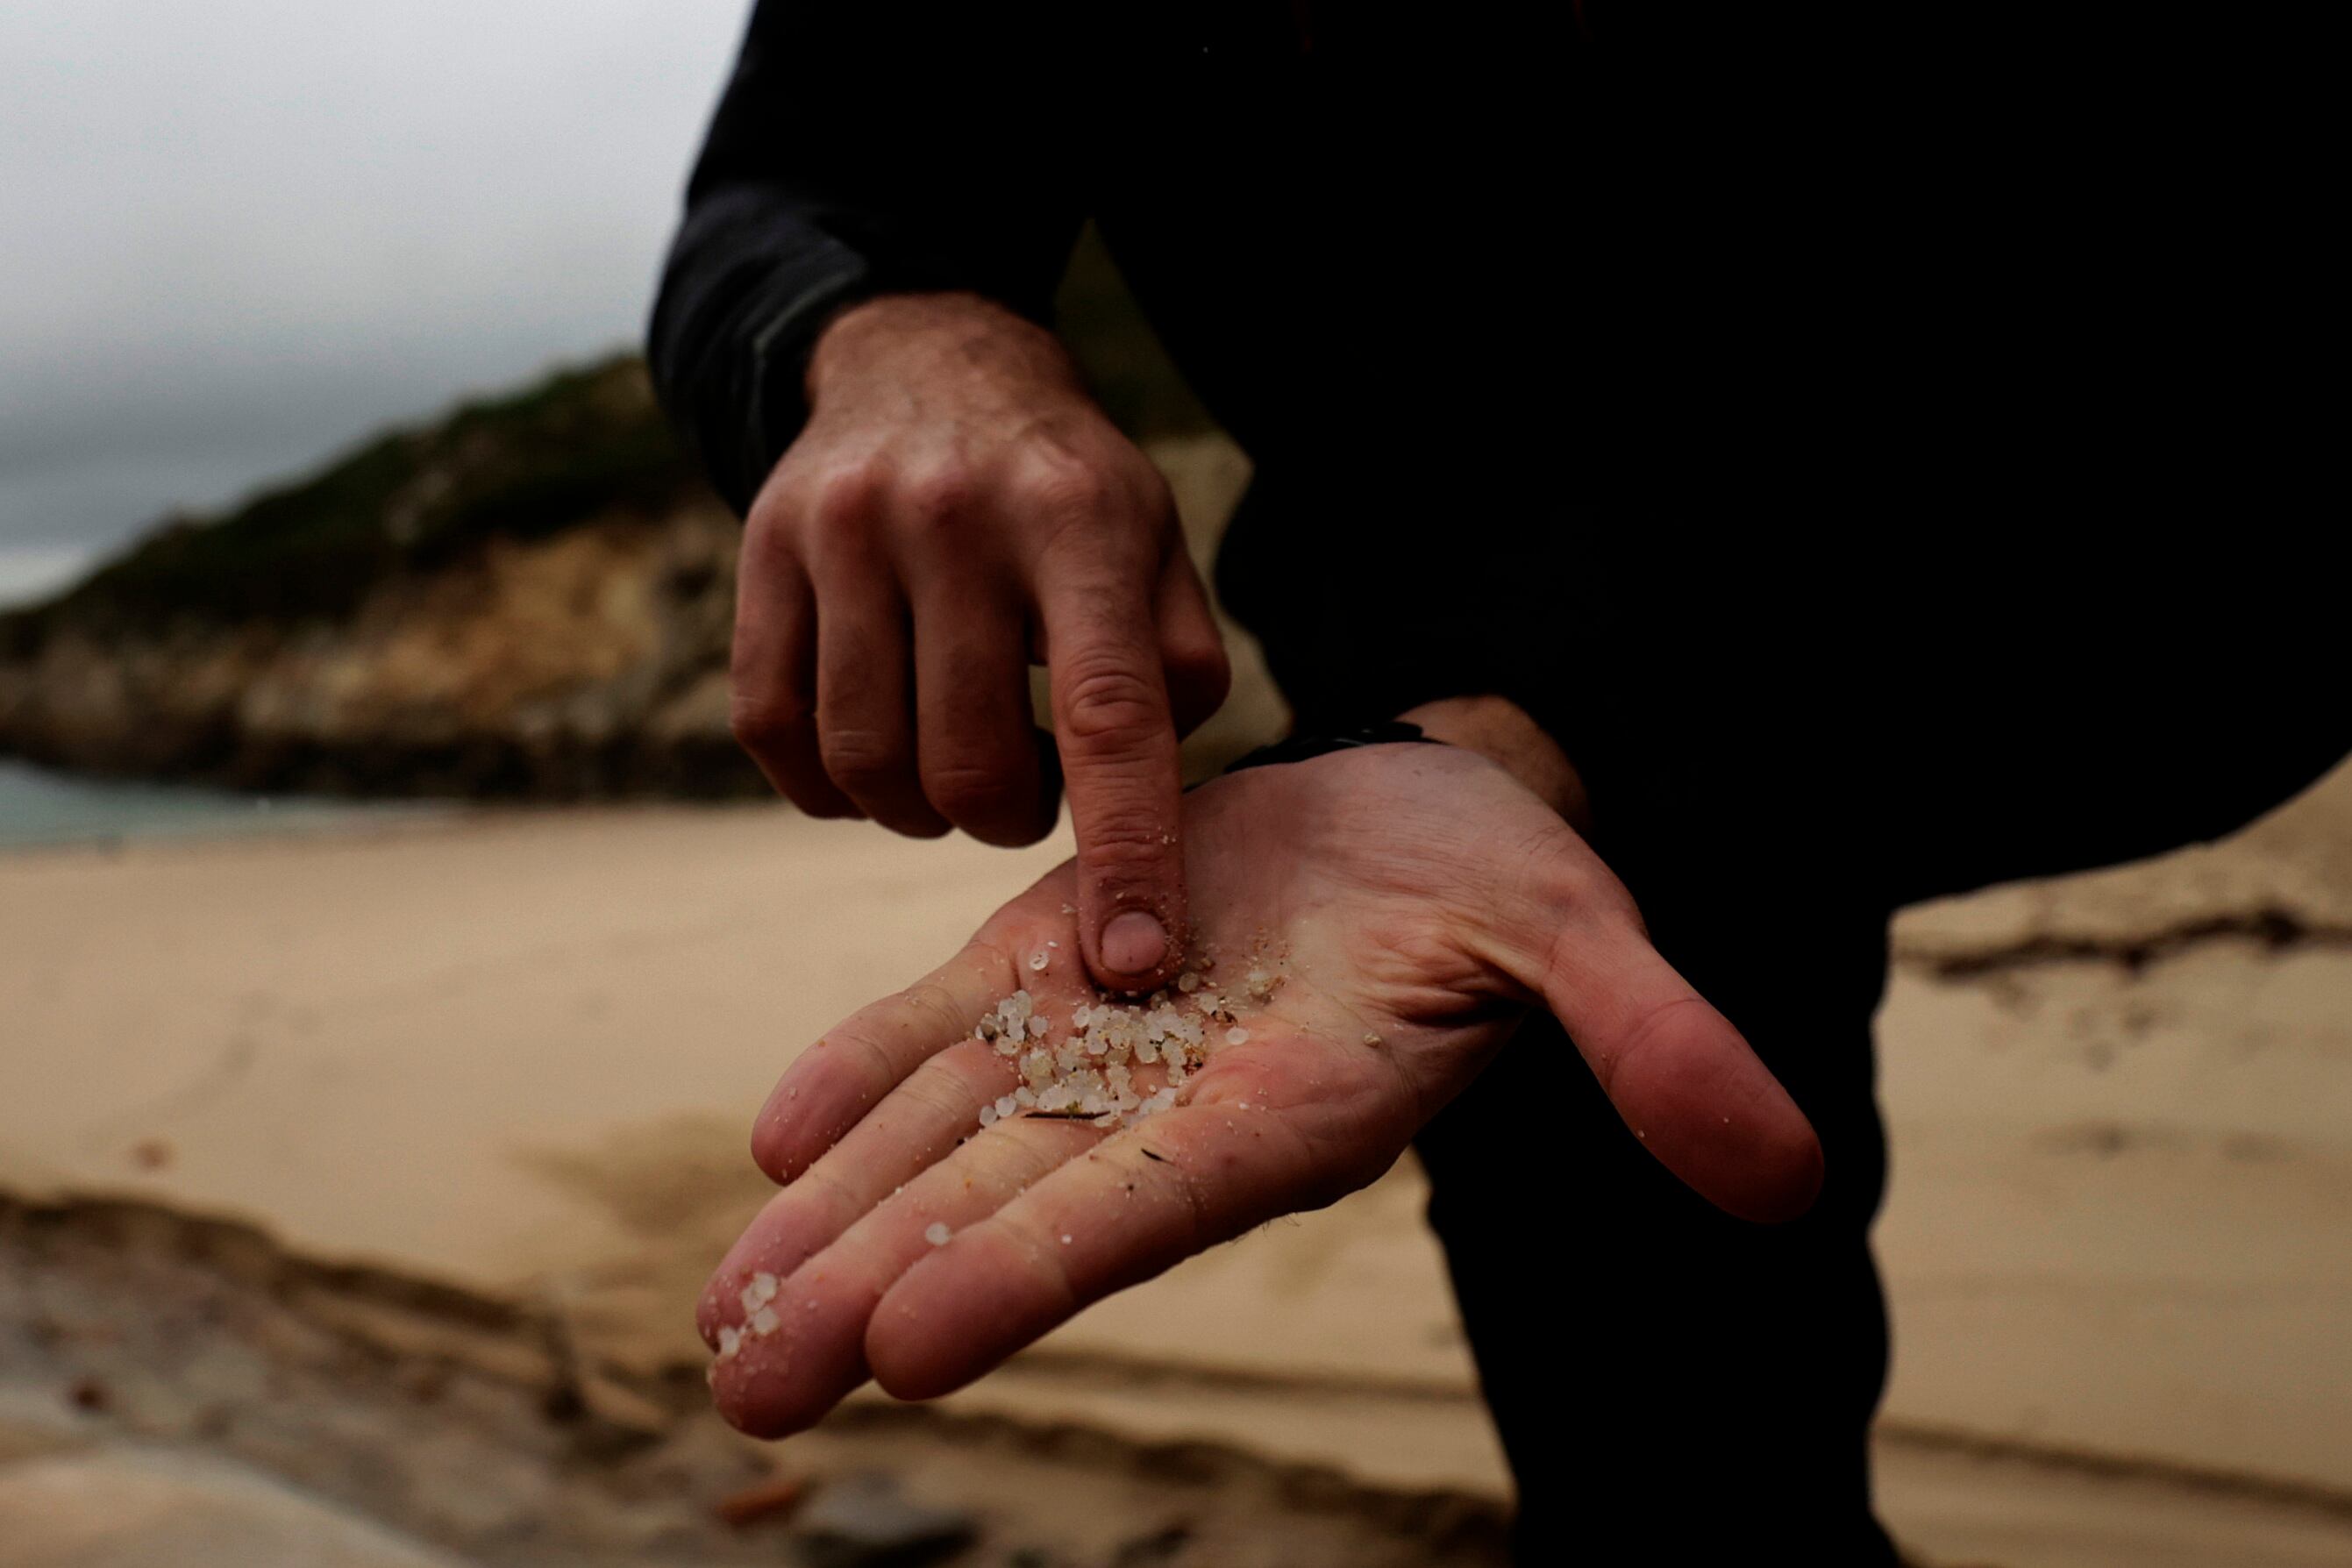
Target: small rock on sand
865,1521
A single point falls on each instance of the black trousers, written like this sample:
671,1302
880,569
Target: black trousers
1671,1384
1667,1380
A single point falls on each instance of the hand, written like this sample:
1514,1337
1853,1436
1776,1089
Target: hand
1425,898
956,508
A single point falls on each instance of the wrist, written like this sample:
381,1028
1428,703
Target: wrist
920,336
1502,732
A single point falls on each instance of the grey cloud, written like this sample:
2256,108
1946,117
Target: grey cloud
237,236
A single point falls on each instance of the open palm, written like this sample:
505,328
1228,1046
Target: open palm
1421,900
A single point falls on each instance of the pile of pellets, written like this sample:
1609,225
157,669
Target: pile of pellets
1121,1061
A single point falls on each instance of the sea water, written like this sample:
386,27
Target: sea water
40,807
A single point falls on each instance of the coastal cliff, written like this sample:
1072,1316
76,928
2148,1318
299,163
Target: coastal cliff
530,597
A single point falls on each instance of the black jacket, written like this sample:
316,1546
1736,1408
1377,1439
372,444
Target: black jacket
1674,368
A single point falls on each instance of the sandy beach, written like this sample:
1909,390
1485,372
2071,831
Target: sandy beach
516,1053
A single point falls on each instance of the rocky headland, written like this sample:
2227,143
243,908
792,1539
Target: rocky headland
529,597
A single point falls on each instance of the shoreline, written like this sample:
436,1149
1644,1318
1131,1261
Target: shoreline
45,809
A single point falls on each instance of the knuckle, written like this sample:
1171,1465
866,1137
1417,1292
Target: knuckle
848,498
1153,495
761,721
858,757
939,498
1215,678
1201,659
970,786
1126,847
1057,481
877,1065
786,489
937,1007
772,1143
776,501
1112,708
1188,1186
1564,875
953,1082
767,540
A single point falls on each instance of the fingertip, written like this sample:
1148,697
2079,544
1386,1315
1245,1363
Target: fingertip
1763,1163
1703,1102
960,1312
813,1107
798,1356
798,1122
1198,684
1789,1172
1134,942
1136,950
917,1349
759,1400
772,1149
905,1367
1131,911
710,1312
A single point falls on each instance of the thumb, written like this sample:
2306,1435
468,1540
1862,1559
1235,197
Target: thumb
1685,1081
1117,737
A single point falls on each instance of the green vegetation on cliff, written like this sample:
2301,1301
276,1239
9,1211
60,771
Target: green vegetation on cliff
580,443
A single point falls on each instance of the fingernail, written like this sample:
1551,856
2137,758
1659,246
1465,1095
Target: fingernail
1133,943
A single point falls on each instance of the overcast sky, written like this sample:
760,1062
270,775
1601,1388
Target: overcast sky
235,236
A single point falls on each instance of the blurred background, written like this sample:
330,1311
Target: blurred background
394,946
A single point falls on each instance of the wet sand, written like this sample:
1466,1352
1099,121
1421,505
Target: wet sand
518,1052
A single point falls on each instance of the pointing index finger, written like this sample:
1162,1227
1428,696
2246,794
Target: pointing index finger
1117,736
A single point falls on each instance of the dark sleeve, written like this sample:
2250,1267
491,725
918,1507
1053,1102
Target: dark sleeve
862,147
1374,584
